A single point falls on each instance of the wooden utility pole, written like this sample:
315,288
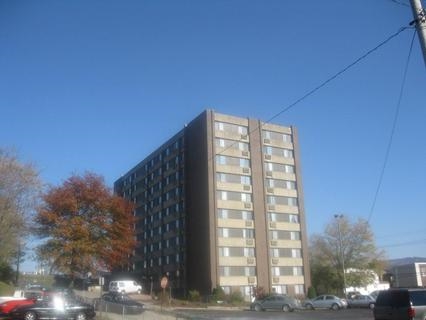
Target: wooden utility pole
420,21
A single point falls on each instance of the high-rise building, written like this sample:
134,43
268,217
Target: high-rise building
220,204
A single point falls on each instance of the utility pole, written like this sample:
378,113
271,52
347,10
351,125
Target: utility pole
342,255
420,21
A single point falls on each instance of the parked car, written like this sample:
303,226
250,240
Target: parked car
7,306
401,304
59,292
125,286
276,302
374,294
351,294
54,308
361,301
326,301
34,294
117,302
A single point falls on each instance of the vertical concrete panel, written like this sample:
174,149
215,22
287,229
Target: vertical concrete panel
260,223
199,194
303,227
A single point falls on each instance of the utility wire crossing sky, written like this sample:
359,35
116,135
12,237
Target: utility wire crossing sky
97,86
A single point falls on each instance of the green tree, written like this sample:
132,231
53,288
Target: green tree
20,188
87,228
344,245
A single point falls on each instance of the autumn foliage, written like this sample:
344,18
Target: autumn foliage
87,228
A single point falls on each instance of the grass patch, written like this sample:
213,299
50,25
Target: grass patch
6,289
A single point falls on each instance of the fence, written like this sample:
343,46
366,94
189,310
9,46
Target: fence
115,311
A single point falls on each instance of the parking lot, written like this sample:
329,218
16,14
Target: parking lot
155,312
348,314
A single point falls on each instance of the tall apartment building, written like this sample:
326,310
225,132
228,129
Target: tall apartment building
221,204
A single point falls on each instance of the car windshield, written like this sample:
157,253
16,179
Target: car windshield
124,297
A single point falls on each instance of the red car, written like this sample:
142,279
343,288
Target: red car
9,305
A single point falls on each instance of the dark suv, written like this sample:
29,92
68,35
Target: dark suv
400,304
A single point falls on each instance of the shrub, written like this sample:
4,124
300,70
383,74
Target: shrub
218,294
312,292
6,289
236,297
7,274
194,295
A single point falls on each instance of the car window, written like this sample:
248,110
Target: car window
384,298
418,298
399,298
329,298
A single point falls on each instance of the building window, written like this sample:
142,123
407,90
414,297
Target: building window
299,289
296,253
234,196
277,136
226,290
233,178
236,252
281,289
237,271
297,271
231,144
284,201
285,253
232,161
235,233
283,184
278,167
230,127
283,271
283,217
284,235
294,235
280,152
234,214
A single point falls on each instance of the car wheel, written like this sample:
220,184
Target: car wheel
286,308
80,316
371,305
30,315
335,306
310,306
257,307
139,291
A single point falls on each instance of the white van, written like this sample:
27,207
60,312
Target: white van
125,286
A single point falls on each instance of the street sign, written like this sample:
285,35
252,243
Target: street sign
164,282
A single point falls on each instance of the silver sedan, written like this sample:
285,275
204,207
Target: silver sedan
361,301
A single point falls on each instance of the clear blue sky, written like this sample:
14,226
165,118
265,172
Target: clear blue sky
98,85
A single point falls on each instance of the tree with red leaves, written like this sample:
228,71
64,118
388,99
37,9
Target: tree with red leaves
87,228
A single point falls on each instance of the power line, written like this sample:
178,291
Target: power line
392,235
399,3
395,120
339,73
400,244
324,83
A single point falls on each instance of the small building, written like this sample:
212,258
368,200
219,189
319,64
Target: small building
409,275
374,285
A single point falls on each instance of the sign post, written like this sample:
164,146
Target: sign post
163,284
101,284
